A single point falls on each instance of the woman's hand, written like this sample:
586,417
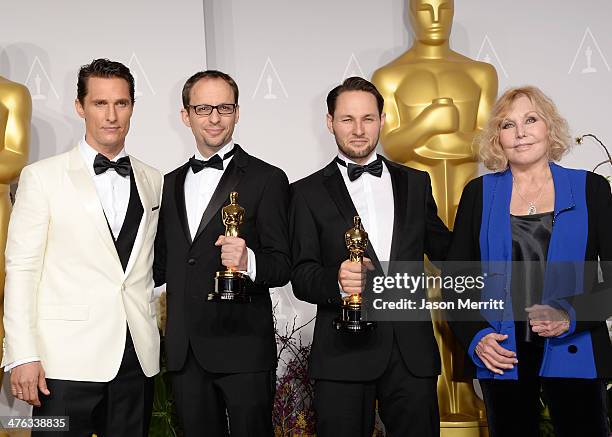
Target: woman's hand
547,321
494,356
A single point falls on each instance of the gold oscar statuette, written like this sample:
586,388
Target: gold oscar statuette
15,117
230,283
356,239
436,102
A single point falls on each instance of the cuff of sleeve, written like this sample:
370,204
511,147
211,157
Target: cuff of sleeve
564,305
342,293
158,291
10,366
472,348
251,264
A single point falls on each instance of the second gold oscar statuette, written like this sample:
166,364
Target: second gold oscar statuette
350,320
230,284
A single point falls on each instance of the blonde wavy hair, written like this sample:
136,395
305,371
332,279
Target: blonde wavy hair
559,140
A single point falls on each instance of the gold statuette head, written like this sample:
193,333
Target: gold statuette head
431,20
356,240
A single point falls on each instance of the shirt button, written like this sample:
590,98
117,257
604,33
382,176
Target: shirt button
122,287
191,261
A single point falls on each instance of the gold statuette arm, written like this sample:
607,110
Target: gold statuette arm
400,137
15,116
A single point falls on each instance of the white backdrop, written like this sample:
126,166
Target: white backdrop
43,44
286,56
306,48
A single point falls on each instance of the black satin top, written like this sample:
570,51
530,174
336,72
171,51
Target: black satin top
530,239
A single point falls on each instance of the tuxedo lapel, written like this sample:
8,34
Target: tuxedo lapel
146,196
334,183
179,196
229,181
87,196
399,181
338,192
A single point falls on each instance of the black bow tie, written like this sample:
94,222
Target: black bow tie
375,168
198,165
122,166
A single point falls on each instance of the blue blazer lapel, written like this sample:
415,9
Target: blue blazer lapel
496,244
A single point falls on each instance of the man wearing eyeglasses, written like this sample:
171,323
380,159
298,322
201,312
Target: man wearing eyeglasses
221,355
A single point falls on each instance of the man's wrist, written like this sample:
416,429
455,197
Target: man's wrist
10,366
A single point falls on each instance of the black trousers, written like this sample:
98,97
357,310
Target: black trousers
119,408
408,405
221,404
577,406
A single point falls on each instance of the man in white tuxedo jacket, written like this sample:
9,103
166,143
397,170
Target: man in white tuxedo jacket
81,334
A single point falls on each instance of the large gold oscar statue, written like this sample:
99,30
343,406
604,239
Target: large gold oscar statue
15,116
436,102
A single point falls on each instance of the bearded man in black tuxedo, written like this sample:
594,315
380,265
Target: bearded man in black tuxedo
396,363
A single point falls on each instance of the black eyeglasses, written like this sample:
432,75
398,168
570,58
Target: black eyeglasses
222,109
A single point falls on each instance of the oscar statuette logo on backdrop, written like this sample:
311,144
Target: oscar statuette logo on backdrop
488,54
140,76
589,57
38,81
269,85
353,68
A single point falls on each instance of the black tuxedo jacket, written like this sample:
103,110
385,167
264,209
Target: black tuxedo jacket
225,337
320,213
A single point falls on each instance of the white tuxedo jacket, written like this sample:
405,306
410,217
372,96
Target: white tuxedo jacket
67,298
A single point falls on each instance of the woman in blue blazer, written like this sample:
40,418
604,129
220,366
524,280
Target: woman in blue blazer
533,223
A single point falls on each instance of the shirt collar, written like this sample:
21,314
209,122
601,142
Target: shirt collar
89,154
227,148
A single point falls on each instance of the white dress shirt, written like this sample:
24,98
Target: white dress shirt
373,200
114,195
199,188
113,189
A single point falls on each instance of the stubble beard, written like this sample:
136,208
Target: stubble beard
352,153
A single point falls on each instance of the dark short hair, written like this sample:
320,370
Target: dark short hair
354,84
208,74
106,69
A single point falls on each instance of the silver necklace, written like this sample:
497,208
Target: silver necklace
531,210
